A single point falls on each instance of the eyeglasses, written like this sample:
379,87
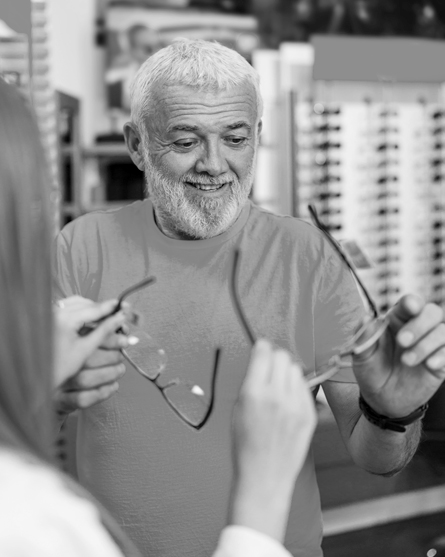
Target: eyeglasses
186,399
374,325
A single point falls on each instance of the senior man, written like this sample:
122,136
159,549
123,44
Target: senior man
195,124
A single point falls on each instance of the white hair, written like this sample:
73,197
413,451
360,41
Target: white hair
195,63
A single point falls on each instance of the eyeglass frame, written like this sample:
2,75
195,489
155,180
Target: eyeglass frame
351,347
147,281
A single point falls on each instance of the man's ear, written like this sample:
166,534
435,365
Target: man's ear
134,144
260,126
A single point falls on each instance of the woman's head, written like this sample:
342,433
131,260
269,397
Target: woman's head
25,285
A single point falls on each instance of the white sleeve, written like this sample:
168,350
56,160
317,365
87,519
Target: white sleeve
39,517
240,541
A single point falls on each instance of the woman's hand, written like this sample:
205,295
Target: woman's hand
71,350
274,420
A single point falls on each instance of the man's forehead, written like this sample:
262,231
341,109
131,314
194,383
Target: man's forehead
240,124
166,94
185,108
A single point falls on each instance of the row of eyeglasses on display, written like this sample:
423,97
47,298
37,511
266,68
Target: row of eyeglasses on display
376,174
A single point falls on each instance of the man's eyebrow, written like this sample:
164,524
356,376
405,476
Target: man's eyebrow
183,128
237,125
190,128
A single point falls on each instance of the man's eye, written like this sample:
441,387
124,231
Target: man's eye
236,140
185,144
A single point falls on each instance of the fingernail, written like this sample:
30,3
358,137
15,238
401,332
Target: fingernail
132,340
405,338
409,358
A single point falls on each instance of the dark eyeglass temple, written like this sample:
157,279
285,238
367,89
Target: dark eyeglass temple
212,390
236,299
145,282
83,331
339,250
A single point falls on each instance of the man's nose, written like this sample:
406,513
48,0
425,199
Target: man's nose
212,161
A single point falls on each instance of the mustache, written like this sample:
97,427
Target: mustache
208,180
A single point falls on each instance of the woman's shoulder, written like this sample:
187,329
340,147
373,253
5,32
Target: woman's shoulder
41,517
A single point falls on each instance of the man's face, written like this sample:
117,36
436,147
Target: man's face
199,157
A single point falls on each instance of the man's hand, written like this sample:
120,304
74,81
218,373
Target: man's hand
408,365
274,420
87,368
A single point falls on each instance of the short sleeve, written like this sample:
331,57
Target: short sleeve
64,281
239,541
339,311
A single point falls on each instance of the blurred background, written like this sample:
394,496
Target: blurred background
354,122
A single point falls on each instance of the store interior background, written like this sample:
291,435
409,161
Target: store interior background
355,122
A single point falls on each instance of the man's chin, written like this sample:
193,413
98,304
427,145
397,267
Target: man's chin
204,232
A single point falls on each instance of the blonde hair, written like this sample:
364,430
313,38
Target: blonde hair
25,283
195,63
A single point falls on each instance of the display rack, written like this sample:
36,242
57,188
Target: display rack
368,149
365,142
116,181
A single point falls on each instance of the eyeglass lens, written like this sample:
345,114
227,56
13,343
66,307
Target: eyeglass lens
187,400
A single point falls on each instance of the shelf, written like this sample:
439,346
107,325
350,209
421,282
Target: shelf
68,150
106,150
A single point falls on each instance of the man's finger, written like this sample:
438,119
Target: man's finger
419,325
428,345
407,307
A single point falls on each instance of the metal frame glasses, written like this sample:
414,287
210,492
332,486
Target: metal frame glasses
184,398
374,325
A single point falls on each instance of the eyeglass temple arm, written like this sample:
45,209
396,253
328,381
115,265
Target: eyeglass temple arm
236,299
323,228
212,390
86,329
145,282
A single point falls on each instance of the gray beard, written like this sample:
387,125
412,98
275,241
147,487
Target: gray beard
194,217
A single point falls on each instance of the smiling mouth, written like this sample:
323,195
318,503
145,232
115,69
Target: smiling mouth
206,187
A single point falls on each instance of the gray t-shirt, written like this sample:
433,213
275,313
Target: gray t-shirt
167,484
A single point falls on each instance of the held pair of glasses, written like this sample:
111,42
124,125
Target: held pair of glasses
189,401
186,399
371,330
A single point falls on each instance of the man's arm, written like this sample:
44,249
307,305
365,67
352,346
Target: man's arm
396,377
376,450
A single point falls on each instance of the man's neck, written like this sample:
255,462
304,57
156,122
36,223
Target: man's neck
171,232
167,230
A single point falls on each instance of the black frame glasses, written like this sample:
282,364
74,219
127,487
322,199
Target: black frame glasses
174,385
374,325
